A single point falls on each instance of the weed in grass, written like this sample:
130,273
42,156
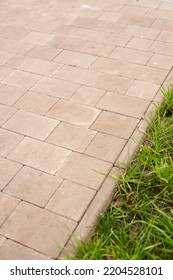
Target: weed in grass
139,221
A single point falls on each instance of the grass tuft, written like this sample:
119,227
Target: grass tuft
139,222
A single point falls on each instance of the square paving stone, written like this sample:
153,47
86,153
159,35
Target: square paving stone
74,113
8,141
39,155
11,250
105,147
87,95
5,113
38,229
141,89
38,38
31,124
115,124
9,95
67,200
8,169
7,204
33,186
71,136
43,52
84,170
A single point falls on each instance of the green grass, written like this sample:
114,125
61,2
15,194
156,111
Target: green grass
140,226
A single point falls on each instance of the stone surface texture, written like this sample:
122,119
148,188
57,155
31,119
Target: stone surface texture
76,80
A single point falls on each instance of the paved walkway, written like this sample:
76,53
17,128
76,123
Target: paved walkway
76,77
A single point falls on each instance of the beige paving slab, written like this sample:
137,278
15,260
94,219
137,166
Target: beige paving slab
67,200
87,95
109,26
2,240
13,33
162,48
4,57
43,52
15,46
139,44
8,141
145,90
7,171
105,147
75,58
78,75
55,87
11,250
163,24
4,72
39,38
9,95
99,49
33,186
161,61
166,36
75,113
5,113
68,43
123,104
30,124
19,62
114,124
35,102
84,22
30,152
141,32
7,204
136,20
90,35
71,136
89,168
51,231
130,55
21,79
118,39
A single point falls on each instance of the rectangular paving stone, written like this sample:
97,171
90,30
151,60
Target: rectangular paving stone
105,147
166,36
84,22
42,67
8,169
99,49
162,48
43,52
19,62
55,87
33,186
115,124
69,43
141,32
21,79
13,33
73,113
30,124
139,44
118,39
123,104
38,38
113,83
15,46
130,55
5,113
9,95
51,231
67,200
109,26
35,102
75,58
2,240
110,16
90,35
8,141
161,61
7,204
11,250
141,89
39,155
133,10
89,170
71,136
136,19
163,24
87,95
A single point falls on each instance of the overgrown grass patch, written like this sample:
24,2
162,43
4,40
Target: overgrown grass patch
140,225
